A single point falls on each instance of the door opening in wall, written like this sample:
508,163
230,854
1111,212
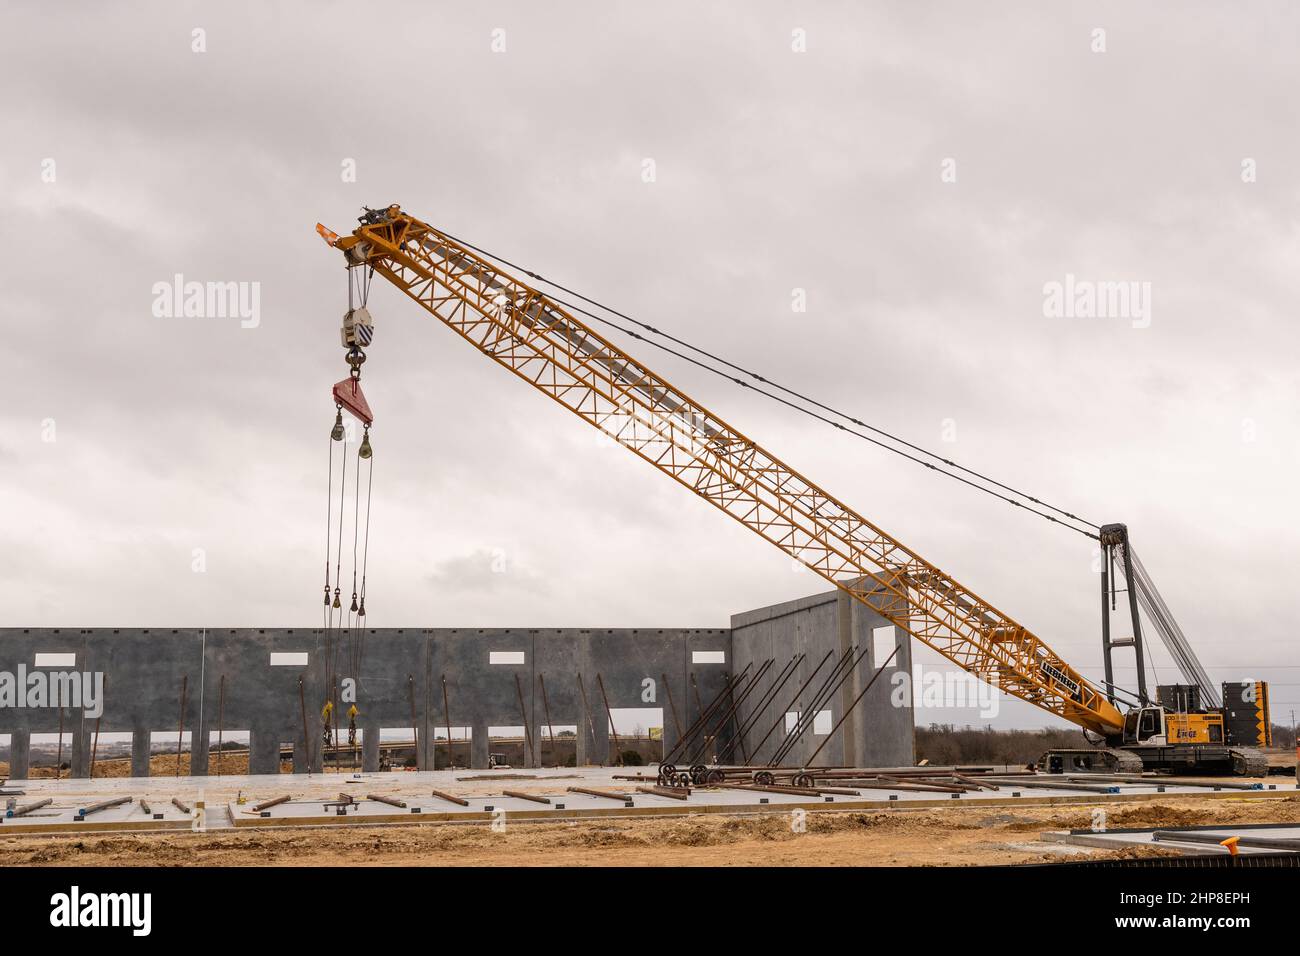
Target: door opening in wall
397,748
562,751
509,746
50,755
454,755
228,751
345,750
110,752
640,733
170,752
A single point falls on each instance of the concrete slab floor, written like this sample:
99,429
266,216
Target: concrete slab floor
483,791
1112,839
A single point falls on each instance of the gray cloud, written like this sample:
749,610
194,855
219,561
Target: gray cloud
775,170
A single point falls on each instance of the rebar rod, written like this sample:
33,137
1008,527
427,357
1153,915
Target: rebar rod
797,694
806,722
849,710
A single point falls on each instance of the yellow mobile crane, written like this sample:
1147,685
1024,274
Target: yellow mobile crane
531,334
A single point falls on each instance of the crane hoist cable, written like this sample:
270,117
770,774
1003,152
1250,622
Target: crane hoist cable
356,533
359,643
329,513
336,435
1035,502
338,554
346,622
357,610
362,332
332,635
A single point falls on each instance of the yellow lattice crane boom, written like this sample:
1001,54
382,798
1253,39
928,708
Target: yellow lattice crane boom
527,332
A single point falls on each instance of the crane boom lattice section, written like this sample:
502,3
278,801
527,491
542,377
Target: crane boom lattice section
523,330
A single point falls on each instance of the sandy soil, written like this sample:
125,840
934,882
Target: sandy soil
160,765
958,836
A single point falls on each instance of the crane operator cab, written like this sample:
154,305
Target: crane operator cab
1144,725
1155,727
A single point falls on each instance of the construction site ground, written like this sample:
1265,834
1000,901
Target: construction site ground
716,827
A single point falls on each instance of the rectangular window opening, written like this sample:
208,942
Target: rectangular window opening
56,660
883,642
822,723
288,658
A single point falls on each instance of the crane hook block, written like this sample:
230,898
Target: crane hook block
348,394
358,328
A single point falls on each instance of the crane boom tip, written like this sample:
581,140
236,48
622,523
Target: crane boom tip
331,238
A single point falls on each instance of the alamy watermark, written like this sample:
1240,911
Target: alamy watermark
133,911
1077,298
179,299
927,687
71,689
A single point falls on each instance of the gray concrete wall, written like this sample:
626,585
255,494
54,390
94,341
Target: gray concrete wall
205,679
228,682
823,629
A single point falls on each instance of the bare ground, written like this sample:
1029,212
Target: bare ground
957,836
160,765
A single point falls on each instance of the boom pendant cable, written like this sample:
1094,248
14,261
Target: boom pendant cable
1067,517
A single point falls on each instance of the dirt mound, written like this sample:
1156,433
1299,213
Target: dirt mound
1153,815
932,836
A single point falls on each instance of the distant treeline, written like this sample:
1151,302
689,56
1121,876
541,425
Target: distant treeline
948,744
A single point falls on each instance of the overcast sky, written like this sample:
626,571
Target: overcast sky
793,146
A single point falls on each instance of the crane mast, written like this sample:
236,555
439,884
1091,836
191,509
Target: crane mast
522,329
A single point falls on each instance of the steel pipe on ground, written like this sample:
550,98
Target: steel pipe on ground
1254,842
